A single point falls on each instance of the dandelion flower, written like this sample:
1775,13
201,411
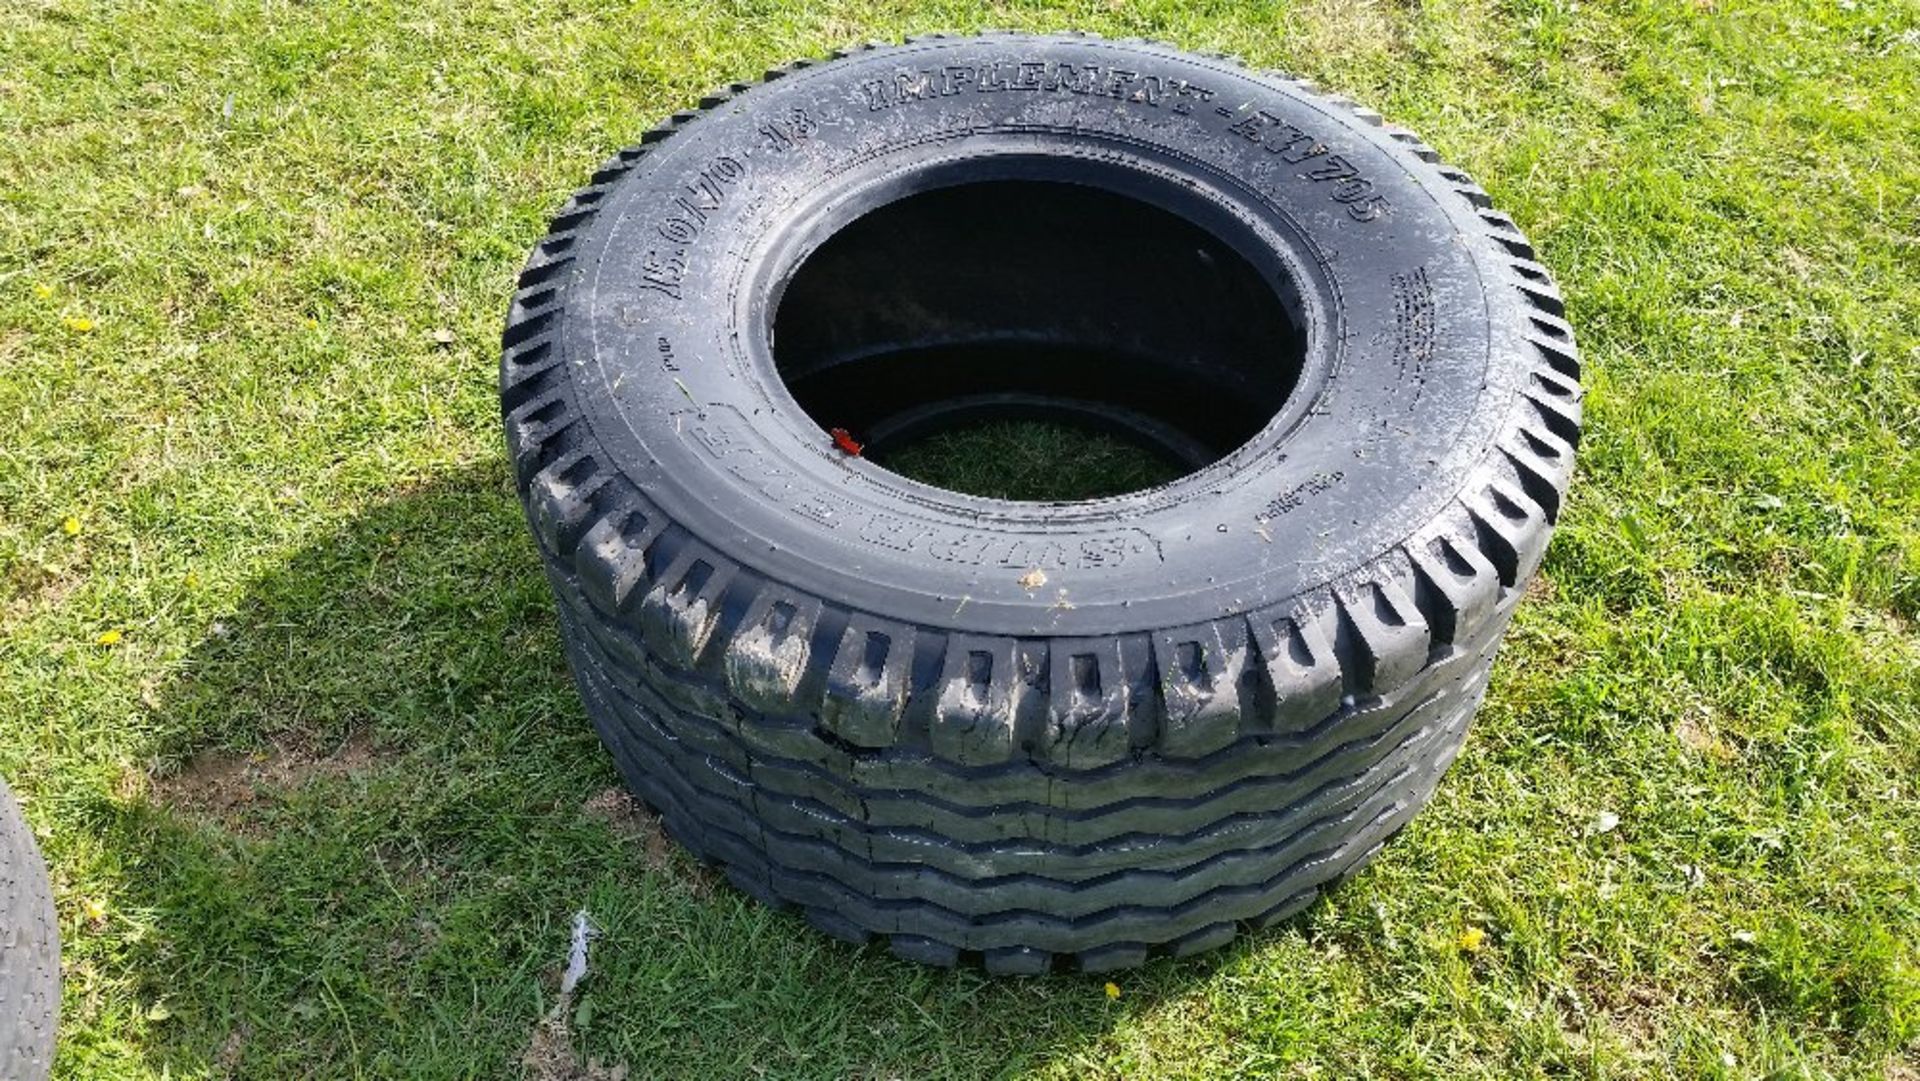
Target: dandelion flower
94,909
79,324
70,525
1472,939
43,290
1113,990
108,638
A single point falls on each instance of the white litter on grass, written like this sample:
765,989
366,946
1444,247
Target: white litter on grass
584,932
550,1054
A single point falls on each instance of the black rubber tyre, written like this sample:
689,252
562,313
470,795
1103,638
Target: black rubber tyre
29,951
1035,734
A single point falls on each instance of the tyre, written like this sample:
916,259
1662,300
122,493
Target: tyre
29,951
1035,735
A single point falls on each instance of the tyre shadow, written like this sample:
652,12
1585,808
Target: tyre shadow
377,805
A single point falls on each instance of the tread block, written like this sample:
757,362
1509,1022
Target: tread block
1114,957
1513,530
767,656
973,718
622,651
678,614
926,951
1561,356
531,425
1087,704
523,371
1388,635
611,558
1200,671
1473,193
1455,586
1515,246
1211,937
539,271
1556,385
1551,383
1018,961
560,499
530,301
1559,409
754,885
866,690
1527,267
1546,448
1302,668
526,327
1555,329
1541,463
1499,221
1544,296
698,697
834,925
1285,910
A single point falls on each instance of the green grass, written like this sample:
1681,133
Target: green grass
1031,460
287,497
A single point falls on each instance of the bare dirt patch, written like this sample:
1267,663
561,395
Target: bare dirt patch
642,830
226,1061
1540,589
631,822
550,1055
30,586
226,785
1699,734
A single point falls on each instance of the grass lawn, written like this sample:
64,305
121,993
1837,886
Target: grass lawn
279,676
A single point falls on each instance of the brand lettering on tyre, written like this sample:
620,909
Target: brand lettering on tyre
1049,76
1291,144
685,218
746,461
980,549
782,133
1294,146
1296,497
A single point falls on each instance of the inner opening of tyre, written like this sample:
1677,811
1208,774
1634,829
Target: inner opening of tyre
1037,340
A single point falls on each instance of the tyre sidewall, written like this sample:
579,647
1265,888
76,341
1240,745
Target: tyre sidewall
1412,365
